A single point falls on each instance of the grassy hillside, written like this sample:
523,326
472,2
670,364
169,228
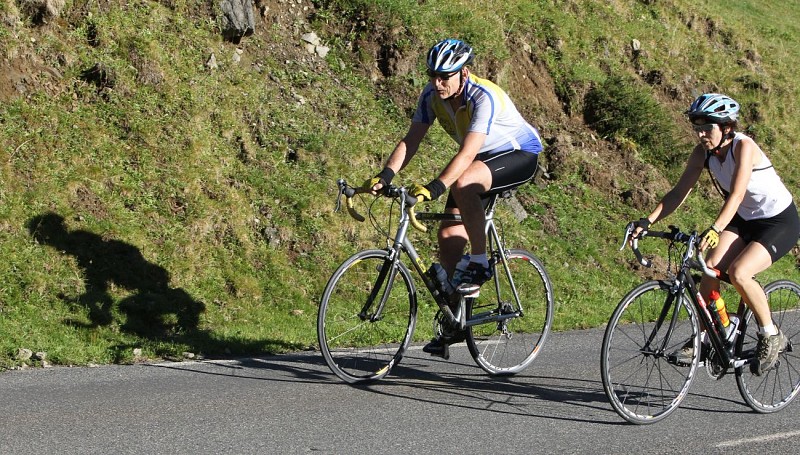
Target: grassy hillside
166,191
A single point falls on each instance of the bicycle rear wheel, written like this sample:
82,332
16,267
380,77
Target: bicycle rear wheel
508,346
776,388
644,374
358,343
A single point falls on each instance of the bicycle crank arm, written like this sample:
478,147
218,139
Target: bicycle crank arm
741,362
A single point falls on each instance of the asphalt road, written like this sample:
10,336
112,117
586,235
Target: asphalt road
293,404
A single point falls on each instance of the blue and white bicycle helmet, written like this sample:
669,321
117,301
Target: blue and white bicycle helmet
449,56
714,108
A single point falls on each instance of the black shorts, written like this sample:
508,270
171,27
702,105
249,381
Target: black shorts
509,170
778,234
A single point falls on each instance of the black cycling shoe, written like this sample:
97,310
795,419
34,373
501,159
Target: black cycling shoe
476,274
440,346
437,347
457,336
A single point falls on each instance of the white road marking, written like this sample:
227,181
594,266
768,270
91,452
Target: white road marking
765,438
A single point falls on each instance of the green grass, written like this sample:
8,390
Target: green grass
197,203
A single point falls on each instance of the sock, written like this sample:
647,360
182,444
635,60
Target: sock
768,330
480,259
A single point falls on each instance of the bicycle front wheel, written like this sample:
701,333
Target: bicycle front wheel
366,316
776,388
649,353
518,322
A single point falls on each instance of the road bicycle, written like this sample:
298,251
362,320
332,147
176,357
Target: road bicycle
643,374
368,310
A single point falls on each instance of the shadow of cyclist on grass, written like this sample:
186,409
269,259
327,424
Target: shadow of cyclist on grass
154,309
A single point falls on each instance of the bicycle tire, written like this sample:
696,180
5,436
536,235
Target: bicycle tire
356,348
646,382
775,389
508,347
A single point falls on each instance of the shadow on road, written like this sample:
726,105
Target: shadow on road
456,383
432,381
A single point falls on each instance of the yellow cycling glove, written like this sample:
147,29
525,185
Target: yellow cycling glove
711,236
370,183
384,177
428,192
418,191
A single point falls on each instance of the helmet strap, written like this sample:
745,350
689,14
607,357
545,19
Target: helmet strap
725,136
460,85
715,150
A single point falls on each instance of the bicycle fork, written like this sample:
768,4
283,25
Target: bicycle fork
388,270
673,301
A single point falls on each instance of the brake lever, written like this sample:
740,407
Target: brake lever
635,244
341,185
628,232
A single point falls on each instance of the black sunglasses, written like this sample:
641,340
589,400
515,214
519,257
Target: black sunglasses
443,76
704,127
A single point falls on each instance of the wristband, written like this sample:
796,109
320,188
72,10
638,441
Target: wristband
715,228
436,188
386,175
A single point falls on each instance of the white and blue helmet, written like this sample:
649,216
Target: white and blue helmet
714,108
449,55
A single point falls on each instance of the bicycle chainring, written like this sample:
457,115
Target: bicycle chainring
714,367
439,324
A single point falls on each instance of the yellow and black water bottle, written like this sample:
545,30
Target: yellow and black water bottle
719,305
728,322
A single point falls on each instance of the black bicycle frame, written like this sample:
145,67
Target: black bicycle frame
685,281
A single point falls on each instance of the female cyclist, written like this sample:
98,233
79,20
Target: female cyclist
757,224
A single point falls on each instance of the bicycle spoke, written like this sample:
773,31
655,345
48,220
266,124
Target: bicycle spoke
642,384
776,388
509,346
358,348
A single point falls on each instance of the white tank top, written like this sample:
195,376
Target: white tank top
766,196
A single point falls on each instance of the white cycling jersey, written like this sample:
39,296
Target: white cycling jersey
766,195
485,108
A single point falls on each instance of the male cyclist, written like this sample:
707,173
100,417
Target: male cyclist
497,150
757,224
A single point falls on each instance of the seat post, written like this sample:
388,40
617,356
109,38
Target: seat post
491,206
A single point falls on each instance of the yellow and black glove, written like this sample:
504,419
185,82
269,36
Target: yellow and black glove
384,177
419,191
428,192
370,183
711,236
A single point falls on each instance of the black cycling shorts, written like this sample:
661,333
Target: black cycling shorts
509,170
778,234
